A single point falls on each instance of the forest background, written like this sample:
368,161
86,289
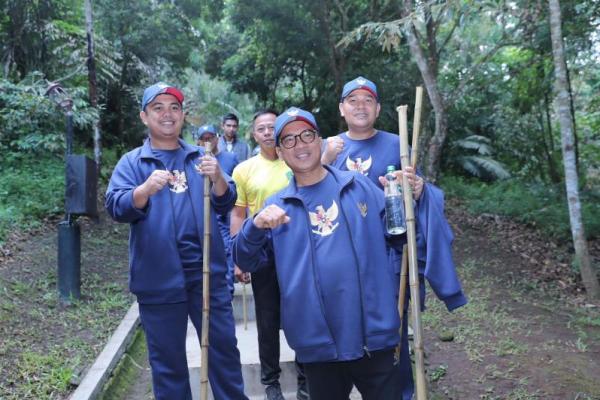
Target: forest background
497,135
490,133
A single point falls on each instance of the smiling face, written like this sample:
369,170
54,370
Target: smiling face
164,119
303,158
360,109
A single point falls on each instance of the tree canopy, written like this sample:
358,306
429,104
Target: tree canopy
491,62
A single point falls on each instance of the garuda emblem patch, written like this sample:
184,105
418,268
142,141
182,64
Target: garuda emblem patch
359,165
178,183
324,220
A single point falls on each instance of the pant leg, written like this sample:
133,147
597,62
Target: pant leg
302,392
224,367
328,380
165,326
267,305
377,377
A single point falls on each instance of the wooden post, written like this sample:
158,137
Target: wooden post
413,270
205,286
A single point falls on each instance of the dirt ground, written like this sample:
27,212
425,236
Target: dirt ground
527,332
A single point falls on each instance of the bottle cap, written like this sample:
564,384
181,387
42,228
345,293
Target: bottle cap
391,168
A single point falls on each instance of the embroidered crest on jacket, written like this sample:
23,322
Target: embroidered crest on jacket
178,182
363,209
359,165
324,220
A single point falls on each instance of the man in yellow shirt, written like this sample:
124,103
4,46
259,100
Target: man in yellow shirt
256,179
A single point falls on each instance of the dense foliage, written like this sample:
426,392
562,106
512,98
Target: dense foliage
492,61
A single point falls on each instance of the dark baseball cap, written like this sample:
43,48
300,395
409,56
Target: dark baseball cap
160,88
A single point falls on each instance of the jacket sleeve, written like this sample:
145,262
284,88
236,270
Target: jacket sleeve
223,204
434,247
119,194
252,247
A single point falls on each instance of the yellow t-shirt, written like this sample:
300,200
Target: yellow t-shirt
257,178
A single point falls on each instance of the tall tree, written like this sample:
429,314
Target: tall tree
437,34
563,110
92,82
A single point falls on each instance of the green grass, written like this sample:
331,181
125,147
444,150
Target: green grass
30,190
539,205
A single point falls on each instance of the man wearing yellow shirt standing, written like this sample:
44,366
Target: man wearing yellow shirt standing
256,179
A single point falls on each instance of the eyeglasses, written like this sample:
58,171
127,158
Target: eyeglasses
290,141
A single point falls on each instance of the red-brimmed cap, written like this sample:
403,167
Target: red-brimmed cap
160,88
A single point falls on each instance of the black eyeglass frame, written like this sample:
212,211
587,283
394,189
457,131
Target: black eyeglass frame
301,136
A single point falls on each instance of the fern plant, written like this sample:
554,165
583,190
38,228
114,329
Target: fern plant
473,154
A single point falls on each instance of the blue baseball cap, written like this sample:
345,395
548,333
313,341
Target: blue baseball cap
359,83
206,129
160,88
290,115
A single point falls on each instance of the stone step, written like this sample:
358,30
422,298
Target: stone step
248,346
240,292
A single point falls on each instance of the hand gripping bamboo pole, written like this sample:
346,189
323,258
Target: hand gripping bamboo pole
413,270
414,155
205,286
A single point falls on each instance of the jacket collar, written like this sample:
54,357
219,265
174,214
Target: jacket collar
147,149
344,178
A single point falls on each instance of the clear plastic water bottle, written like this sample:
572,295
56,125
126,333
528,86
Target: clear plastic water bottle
394,204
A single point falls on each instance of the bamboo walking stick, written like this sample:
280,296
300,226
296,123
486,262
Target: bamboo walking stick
205,286
413,161
413,270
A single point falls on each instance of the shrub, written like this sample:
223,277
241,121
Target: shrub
30,190
537,204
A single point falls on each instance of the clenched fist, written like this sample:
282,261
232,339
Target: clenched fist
334,146
271,217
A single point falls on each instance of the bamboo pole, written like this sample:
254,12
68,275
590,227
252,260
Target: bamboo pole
414,153
205,286
413,271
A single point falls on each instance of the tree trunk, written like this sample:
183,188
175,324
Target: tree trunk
552,165
438,139
582,256
92,83
336,56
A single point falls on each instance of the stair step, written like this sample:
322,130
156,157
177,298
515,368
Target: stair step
238,303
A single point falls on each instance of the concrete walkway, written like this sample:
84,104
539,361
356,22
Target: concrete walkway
248,346
99,373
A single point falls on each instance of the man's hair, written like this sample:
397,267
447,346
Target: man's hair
263,111
230,116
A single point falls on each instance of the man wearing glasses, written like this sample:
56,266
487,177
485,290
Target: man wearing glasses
325,235
256,179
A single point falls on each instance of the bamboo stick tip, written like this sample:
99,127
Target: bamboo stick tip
402,107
